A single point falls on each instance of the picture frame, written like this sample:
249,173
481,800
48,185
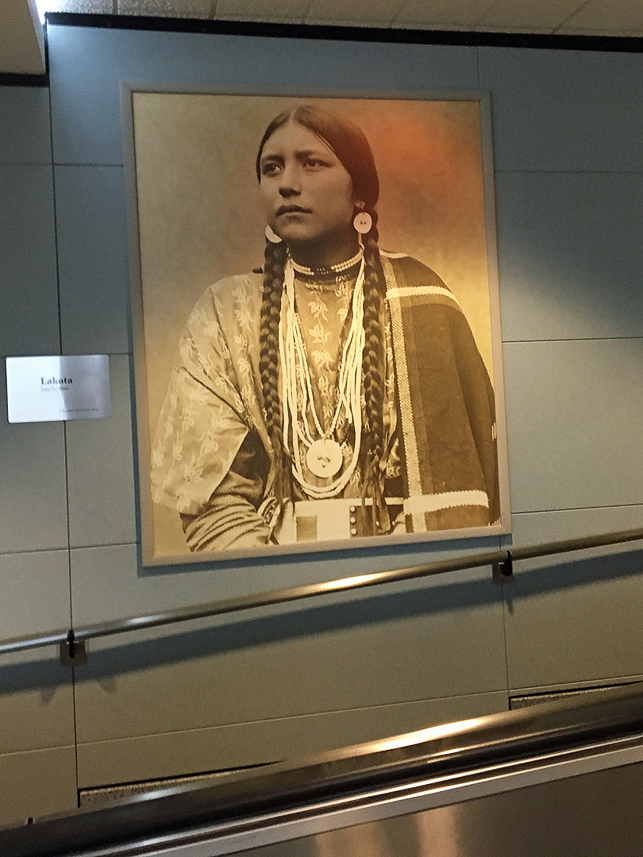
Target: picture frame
194,220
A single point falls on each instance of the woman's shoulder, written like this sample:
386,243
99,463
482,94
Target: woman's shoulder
236,287
409,278
227,302
411,267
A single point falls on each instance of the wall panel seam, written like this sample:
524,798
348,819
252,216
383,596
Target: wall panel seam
5,755
572,339
290,717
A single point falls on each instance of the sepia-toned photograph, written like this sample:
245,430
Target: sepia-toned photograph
315,321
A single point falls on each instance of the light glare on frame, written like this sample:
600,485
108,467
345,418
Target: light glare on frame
44,6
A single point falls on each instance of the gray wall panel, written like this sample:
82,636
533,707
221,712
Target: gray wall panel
100,469
35,591
564,110
576,617
133,589
32,483
85,89
28,288
36,700
24,125
570,255
273,668
37,783
225,747
574,411
347,651
36,706
93,259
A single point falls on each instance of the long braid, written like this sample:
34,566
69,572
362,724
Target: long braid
273,284
373,362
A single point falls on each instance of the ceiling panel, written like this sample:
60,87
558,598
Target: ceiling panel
371,12
442,13
165,8
258,10
81,7
19,36
602,16
541,15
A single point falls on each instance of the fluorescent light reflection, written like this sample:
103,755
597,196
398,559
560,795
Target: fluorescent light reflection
46,6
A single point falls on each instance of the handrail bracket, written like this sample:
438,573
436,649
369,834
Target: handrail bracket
72,651
503,570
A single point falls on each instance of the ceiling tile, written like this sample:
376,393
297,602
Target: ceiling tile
607,16
354,11
345,22
599,32
164,9
524,28
440,26
538,15
453,14
596,17
259,10
96,7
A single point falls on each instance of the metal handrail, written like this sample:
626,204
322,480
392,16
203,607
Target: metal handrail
500,560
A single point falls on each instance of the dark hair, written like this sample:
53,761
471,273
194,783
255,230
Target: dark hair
344,137
351,147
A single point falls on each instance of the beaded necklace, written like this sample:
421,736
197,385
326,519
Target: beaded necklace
330,272
322,453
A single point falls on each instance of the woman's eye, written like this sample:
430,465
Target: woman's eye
314,163
270,168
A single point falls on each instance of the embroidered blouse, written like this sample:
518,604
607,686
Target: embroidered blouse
211,453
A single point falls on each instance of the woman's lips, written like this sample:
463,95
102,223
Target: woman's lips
292,209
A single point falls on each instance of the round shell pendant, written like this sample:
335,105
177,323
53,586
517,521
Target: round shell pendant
324,458
363,222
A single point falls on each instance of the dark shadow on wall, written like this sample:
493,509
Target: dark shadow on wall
296,622
340,561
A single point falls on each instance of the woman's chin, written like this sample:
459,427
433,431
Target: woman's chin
297,236
316,243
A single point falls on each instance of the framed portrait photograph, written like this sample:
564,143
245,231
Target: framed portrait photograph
315,319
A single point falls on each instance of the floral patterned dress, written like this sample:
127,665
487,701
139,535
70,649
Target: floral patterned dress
211,457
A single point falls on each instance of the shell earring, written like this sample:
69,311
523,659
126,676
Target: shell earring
362,222
272,236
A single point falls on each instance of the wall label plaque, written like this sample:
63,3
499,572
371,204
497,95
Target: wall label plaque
44,389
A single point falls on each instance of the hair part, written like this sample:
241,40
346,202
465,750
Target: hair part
344,137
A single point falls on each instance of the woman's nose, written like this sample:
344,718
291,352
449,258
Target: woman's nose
289,183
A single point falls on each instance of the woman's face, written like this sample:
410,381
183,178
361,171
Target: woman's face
306,191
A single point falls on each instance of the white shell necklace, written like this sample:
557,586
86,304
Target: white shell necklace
323,454
330,270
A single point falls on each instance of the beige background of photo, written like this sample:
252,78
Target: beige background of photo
199,216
